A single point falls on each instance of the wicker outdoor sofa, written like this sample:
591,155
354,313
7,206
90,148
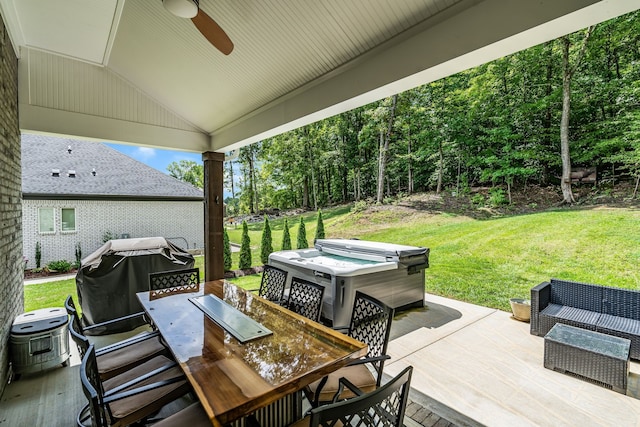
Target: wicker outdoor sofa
612,311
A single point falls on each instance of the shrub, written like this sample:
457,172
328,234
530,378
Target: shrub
319,227
38,254
78,255
61,265
497,197
245,248
478,200
286,237
359,206
266,247
302,236
108,235
227,251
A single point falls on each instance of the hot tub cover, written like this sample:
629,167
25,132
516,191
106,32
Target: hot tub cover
109,278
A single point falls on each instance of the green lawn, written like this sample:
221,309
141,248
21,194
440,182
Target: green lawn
484,262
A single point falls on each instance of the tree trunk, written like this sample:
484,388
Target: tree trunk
314,186
251,185
384,147
568,71
565,184
440,167
305,193
233,191
410,183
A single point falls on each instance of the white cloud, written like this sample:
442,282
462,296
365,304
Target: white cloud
144,153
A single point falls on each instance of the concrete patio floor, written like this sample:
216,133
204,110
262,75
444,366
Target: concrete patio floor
473,366
476,365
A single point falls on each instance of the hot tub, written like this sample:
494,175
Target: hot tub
391,273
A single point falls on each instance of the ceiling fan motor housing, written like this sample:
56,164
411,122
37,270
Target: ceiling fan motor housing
182,8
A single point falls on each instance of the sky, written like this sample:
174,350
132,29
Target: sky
160,159
154,157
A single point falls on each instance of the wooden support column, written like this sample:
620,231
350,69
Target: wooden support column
213,215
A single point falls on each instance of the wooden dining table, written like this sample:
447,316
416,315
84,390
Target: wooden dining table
232,377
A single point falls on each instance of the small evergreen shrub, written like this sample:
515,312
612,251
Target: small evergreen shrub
302,235
286,236
266,247
38,254
227,251
319,227
245,248
78,255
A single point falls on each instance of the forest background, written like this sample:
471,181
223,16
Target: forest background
520,121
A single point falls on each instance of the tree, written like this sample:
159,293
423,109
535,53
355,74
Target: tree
227,251
266,246
286,237
302,235
568,71
245,248
187,171
319,227
385,137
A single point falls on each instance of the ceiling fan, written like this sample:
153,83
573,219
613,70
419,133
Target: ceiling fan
203,22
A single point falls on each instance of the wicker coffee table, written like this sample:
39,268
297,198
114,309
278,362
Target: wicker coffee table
589,354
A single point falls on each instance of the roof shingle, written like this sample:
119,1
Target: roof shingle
116,175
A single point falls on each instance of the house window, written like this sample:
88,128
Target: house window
68,219
46,223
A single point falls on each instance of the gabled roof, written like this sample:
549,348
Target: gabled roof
117,176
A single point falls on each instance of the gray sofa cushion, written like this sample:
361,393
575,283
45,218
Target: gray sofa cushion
571,314
611,324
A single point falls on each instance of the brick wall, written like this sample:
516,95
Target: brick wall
11,273
94,218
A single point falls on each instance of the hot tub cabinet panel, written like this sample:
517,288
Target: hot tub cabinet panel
392,273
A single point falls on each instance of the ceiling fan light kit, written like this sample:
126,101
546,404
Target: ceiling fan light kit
182,8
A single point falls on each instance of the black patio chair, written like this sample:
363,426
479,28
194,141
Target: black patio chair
305,298
130,397
117,358
370,324
175,281
383,407
273,283
70,306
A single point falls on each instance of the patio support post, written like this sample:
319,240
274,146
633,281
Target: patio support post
213,215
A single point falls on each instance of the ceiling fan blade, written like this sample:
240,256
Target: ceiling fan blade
213,32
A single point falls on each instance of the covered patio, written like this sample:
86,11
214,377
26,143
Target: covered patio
473,366
128,71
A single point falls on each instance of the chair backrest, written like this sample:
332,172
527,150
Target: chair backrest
272,283
305,298
165,283
371,324
92,389
385,406
70,306
75,330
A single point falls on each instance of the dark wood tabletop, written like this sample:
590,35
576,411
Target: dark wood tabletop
233,379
